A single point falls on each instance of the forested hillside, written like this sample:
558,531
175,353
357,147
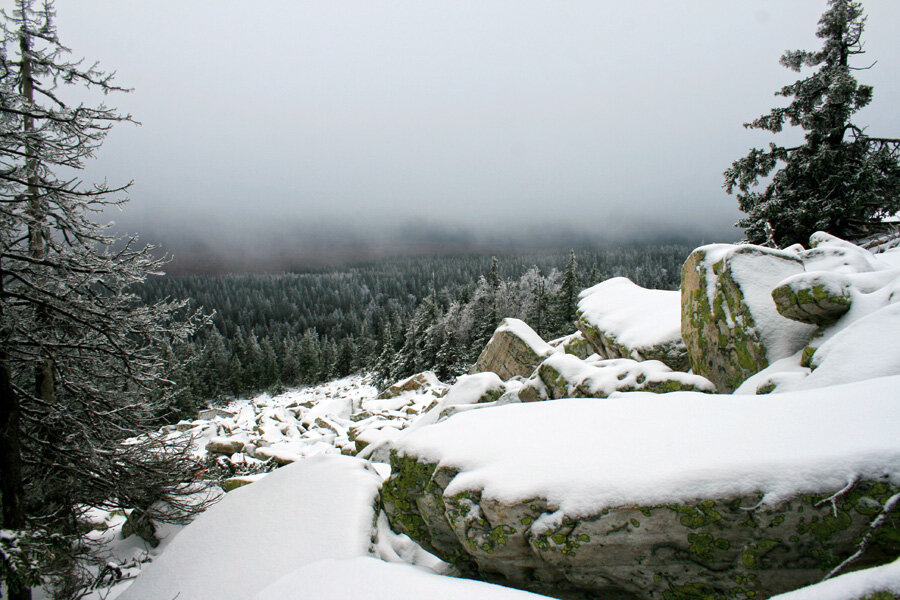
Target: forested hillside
393,317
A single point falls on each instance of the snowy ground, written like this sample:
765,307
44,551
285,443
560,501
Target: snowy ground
312,529
321,507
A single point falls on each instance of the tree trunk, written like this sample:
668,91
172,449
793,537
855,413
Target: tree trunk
37,238
11,487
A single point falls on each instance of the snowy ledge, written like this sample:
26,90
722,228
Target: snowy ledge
583,455
636,317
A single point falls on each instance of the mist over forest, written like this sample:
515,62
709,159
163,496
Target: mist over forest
198,248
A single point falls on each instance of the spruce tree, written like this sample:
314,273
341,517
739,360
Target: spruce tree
840,179
82,359
567,297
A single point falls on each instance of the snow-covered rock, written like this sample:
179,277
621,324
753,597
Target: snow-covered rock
478,388
862,343
319,508
224,445
817,298
513,351
655,494
729,321
575,344
419,381
623,320
567,376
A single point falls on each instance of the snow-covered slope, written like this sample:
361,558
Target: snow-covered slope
321,507
371,579
572,465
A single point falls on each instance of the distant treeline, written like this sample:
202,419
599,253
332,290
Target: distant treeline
392,317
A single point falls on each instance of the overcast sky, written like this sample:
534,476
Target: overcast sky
601,115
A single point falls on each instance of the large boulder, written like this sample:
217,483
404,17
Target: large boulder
514,350
623,320
729,321
644,496
566,376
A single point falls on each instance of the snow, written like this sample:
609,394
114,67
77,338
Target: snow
400,548
603,377
371,579
868,348
865,342
635,316
318,508
310,529
639,448
852,586
890,257
521,330
123,555
467,390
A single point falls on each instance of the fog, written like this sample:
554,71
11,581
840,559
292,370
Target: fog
375,125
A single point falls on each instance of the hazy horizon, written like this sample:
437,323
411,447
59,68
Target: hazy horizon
351,122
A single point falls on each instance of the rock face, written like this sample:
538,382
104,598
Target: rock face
513,351
623,320
729,320
566,376
815,298
713,548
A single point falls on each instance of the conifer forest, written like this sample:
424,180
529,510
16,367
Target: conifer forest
393,318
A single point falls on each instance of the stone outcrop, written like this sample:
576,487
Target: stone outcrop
513,351
729,320
729,547
814,298
623,320
566,376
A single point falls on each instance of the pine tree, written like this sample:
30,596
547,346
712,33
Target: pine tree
538,315
566,302
346,359
82,362
493,277
309,357
839,180
270,371
290,362
382,368
594,276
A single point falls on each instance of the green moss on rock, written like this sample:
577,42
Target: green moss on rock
719,330
809,300
719,548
